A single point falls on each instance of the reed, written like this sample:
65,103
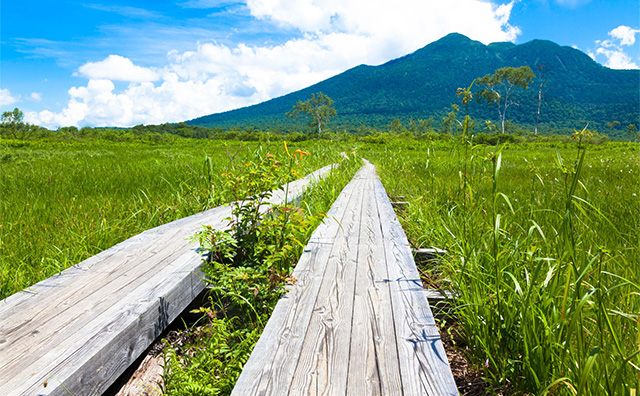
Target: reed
543,255
64,202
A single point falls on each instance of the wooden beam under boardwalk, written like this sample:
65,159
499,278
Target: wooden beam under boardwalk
357,320
76,332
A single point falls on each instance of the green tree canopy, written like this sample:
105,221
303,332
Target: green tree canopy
12,125
498,87
319,109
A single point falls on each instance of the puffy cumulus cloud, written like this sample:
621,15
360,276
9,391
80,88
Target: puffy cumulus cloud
611,51
334,36
98,103
117,68
410,23
271,71
213,78
616,58
625,34
36,97
6,98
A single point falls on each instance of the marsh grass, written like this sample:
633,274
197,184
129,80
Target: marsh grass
64,202
249,266
543,249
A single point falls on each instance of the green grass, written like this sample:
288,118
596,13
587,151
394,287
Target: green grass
543,253
542,239
246,286
64,202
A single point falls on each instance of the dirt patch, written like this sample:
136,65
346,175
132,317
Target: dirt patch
468,378
146,378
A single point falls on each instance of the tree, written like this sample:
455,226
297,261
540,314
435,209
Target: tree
12,117
424,126
319,108
396,127
631,130
499,87
490,127
449,122
12,125
543,76
613,125
412,128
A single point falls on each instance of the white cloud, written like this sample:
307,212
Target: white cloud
130,12
625,34
572,3
408,21
212,79
334,36
6,99
612,50
605,43
36,97
617,58
117,68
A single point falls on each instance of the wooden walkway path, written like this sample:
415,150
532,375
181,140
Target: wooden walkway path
76,332
357,320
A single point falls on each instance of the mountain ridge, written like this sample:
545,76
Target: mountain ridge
423,84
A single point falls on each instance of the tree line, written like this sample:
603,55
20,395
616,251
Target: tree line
498,90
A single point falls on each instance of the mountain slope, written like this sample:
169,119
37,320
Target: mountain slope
423,84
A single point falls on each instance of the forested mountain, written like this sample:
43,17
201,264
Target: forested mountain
423,84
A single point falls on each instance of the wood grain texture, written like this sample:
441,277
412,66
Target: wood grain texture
276,354
325,348
357,322
373,363
424,366
81,328
147,379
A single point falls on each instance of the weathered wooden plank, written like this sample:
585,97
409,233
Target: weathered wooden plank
189,225
324,353
276,354
373,360
109,352
424,366
358,322
429,253
89,289
400,205
146,380
437,295
49,289
117,333
84,326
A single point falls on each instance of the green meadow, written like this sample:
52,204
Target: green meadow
62,202
543,255
542,240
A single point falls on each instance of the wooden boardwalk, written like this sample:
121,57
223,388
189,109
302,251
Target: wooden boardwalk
357,320
76,332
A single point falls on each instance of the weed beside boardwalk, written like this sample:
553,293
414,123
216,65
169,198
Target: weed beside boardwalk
62,202
543,255
248,268
542,241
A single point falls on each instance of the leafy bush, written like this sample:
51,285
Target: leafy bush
248,267
494,139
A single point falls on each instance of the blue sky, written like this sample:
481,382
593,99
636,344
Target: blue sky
122,63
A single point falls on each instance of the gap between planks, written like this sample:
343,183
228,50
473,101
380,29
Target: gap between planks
357,321
82,328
